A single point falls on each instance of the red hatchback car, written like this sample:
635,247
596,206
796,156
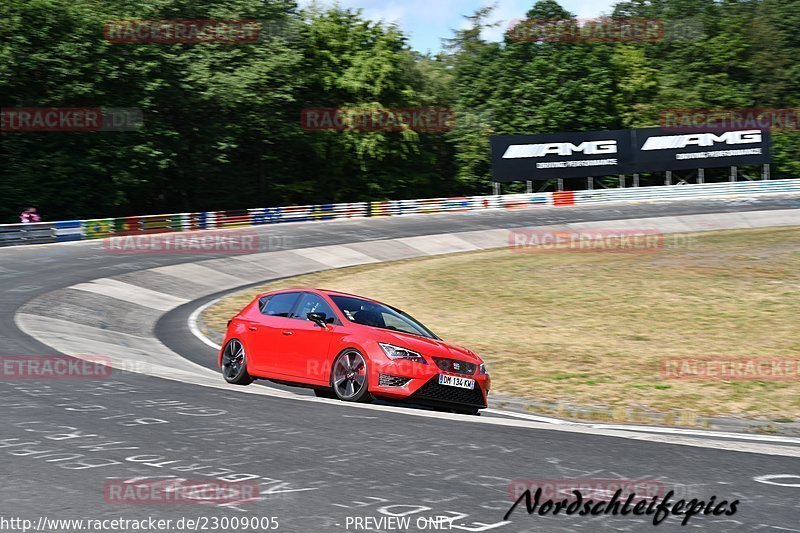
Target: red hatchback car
351,348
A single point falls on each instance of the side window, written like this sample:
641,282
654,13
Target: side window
280,304
313,303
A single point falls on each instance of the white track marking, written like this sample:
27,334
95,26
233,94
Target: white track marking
445,243
196,330
525,416
336,256
128,292
200,274
702,432
770,480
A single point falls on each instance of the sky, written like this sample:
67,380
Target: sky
429,21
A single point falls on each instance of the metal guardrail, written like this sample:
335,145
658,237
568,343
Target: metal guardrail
98,228
705,190
35,233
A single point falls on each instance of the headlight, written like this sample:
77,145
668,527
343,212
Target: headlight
482,369
397,352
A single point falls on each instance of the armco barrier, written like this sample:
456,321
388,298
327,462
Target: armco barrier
71,230
35,233
706,190
564,198
159,224
97,228
68,230
233,219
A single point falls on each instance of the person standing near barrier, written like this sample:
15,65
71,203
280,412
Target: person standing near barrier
29,216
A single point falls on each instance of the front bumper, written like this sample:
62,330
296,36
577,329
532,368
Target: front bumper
420,384
433,393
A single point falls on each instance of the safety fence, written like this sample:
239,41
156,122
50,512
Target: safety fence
98,228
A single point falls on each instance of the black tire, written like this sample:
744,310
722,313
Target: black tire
325,393
234,363
350,377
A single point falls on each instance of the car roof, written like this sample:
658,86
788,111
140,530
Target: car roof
318,291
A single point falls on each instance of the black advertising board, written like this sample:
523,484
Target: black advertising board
603,153
560,155
657,150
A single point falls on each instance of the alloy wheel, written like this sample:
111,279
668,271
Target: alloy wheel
349,375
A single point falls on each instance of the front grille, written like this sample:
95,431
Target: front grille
455,366
386,380
433,391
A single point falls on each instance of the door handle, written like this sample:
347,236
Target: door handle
252,328
287,332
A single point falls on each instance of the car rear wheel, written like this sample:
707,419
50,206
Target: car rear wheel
349,377
234,363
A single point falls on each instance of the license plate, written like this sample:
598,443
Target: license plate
455,381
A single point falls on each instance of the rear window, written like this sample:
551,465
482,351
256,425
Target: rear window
280,304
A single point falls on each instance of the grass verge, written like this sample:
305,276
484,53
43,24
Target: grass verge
591,328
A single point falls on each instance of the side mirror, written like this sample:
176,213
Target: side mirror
318,318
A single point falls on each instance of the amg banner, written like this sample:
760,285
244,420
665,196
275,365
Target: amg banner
602,153
560,155
657,150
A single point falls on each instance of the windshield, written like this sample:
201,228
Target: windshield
377,315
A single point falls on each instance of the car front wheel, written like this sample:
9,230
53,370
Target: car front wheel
350,377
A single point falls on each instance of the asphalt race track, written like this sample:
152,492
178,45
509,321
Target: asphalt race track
320,465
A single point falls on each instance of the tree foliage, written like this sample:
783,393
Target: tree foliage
222,121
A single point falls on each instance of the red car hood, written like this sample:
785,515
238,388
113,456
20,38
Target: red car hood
429,347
